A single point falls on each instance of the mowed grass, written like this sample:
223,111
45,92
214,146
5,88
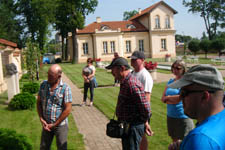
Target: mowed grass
27,122
105,99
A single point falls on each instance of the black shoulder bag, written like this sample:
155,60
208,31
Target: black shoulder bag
116,129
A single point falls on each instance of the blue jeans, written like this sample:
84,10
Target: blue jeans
133,139
91,86
61,138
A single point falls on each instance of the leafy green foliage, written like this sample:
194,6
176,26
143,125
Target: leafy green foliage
218,44
194,46
25,76
22,101
31,88
72,17
10,140
32,54
205,45
37,14
213,13
128,14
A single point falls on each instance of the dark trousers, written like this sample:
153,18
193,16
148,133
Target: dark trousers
91,86
133,139
61,138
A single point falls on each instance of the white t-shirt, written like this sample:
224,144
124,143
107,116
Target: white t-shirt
145,78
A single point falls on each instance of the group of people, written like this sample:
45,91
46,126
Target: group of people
194,94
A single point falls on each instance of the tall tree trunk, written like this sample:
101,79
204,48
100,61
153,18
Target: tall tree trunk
66,50
75,50
63,51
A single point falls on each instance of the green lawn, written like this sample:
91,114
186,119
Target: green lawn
27,122
105,100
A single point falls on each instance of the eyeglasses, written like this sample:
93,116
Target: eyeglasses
184,93
177,68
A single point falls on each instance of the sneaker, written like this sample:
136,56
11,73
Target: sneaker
91,103
84,103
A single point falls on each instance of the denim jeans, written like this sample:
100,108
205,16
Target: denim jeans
61,138
91,86
133,139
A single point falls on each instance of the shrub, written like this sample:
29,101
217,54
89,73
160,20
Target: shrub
22,101
25,76
31,88
10,140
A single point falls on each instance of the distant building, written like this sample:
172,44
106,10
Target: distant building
151,31
58,37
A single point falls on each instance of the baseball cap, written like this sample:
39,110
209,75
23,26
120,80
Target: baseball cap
205,75
120,61
137,54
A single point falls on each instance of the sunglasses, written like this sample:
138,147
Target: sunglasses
184,93
177,68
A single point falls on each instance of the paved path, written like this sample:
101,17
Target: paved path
91,123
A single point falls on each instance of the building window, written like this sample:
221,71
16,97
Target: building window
85,48
104,27
163,44
128,46
130,26
167,21
157,22
141,45
112,44
105,47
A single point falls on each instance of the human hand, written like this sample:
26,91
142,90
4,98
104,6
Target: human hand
44,124
163,99
175,145
148,129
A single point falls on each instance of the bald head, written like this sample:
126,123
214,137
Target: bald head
54,74
56,69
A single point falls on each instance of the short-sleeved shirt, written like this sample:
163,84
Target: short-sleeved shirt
52,103
174,110
208,135
132,105
88,70
145,78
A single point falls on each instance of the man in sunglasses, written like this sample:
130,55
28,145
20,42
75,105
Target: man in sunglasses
202,91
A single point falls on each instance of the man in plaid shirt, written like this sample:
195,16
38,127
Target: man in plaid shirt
54,105
132,106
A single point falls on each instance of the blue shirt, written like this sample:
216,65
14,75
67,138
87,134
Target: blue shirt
174,110
53,103
208,135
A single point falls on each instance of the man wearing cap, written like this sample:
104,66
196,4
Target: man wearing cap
202,89
132,105
137,62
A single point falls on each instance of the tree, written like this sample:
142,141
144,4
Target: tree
204,36
218,44
37,16
212,11
11,27
74,13
205,45
32,54
128,14
194,46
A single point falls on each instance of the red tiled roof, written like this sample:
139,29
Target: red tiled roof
113,25
149,9
8,43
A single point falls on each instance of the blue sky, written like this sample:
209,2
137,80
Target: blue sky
185,23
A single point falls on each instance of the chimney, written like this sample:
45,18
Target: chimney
98,19
139,10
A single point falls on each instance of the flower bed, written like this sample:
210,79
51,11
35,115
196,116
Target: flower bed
150,66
